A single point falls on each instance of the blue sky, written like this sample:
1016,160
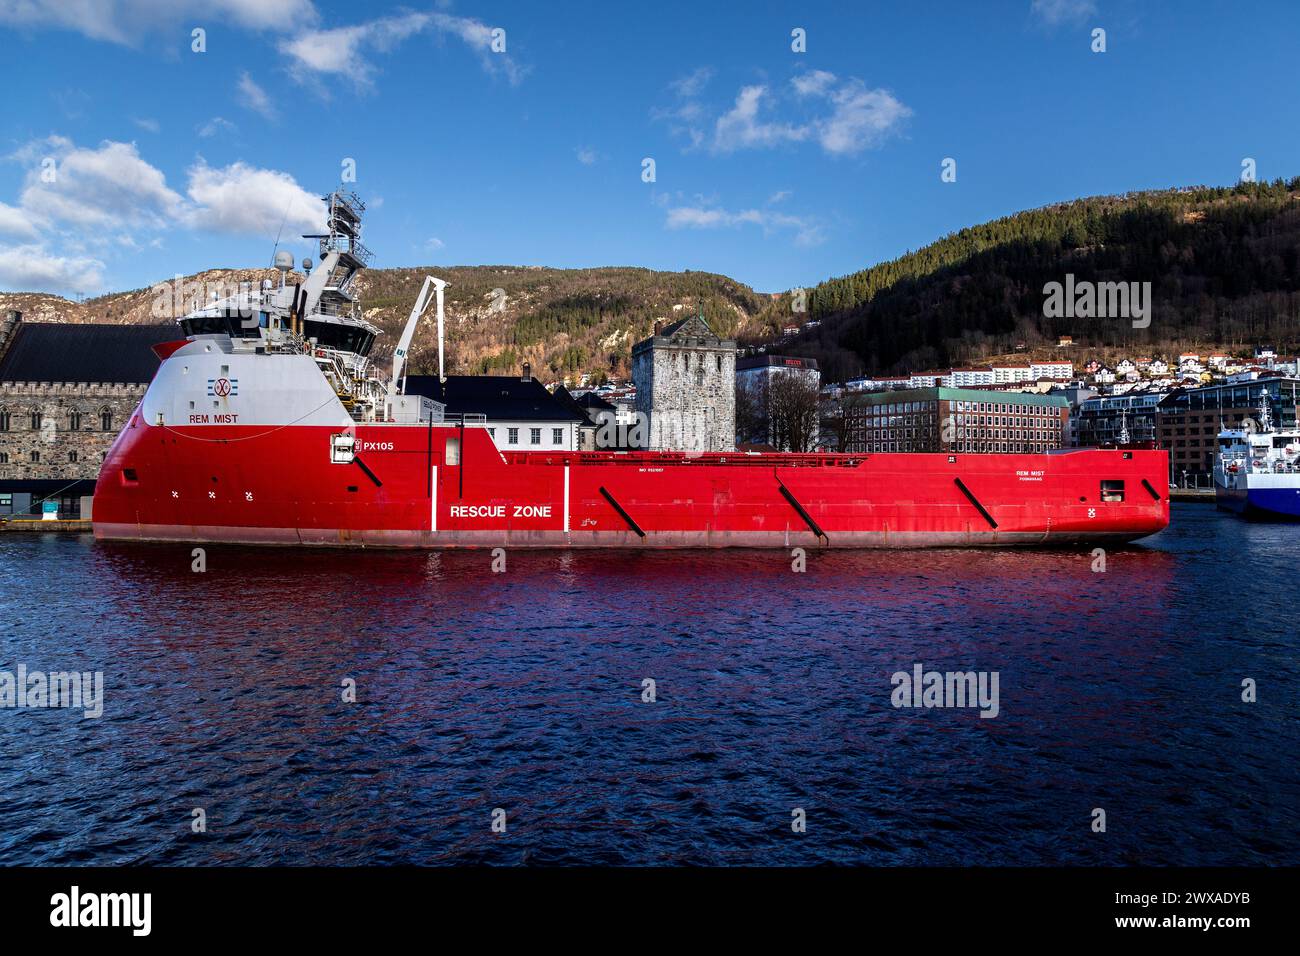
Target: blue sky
776,167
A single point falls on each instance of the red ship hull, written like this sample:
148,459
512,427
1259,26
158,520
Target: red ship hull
278,485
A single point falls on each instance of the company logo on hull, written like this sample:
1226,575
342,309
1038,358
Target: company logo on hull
223,387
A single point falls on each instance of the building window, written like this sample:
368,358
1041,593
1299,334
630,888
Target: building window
36,419
36,458
4,457
557,436
512,436
4,419
492,433
105,420
74,420
534,436
72,457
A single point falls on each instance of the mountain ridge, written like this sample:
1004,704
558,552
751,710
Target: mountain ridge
1224,264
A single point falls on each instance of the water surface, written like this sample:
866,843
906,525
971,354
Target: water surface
523,691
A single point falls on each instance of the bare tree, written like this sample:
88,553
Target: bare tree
840,420
751,422
792,410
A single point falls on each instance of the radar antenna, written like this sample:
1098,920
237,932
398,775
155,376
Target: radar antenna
1265,413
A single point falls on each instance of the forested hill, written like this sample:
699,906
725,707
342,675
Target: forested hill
564,322
1224,264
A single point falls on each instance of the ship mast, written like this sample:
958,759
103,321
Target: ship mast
342,256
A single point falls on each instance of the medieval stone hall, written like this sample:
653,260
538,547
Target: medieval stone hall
685,380
66,389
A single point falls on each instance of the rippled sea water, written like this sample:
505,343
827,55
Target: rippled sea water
523,691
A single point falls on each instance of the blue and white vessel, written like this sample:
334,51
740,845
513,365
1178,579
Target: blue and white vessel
1257,474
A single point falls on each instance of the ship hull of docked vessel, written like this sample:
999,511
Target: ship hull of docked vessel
1257,469
269,463
268,424
1280,502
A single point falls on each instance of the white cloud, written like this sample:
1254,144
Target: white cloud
780,195
1054,12
345,51
741,128
433,243
35,150
32,267
254,97
246,200
128,21
808,232
813,83
216,126
587,156
95,187
842,116
687,116
692,84
861,118
16,222
147,124
100,200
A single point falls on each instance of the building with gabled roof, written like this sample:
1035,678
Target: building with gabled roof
66,389
517,411
685,378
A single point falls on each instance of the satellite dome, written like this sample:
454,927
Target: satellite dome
284,260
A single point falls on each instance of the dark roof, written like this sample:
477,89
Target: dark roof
683,330
80,352
565,400
589,405
592,400
762,361
692,325
499,397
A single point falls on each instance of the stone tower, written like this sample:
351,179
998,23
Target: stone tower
685,379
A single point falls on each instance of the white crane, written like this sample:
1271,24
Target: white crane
404,344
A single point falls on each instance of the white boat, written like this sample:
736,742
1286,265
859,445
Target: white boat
1257,473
